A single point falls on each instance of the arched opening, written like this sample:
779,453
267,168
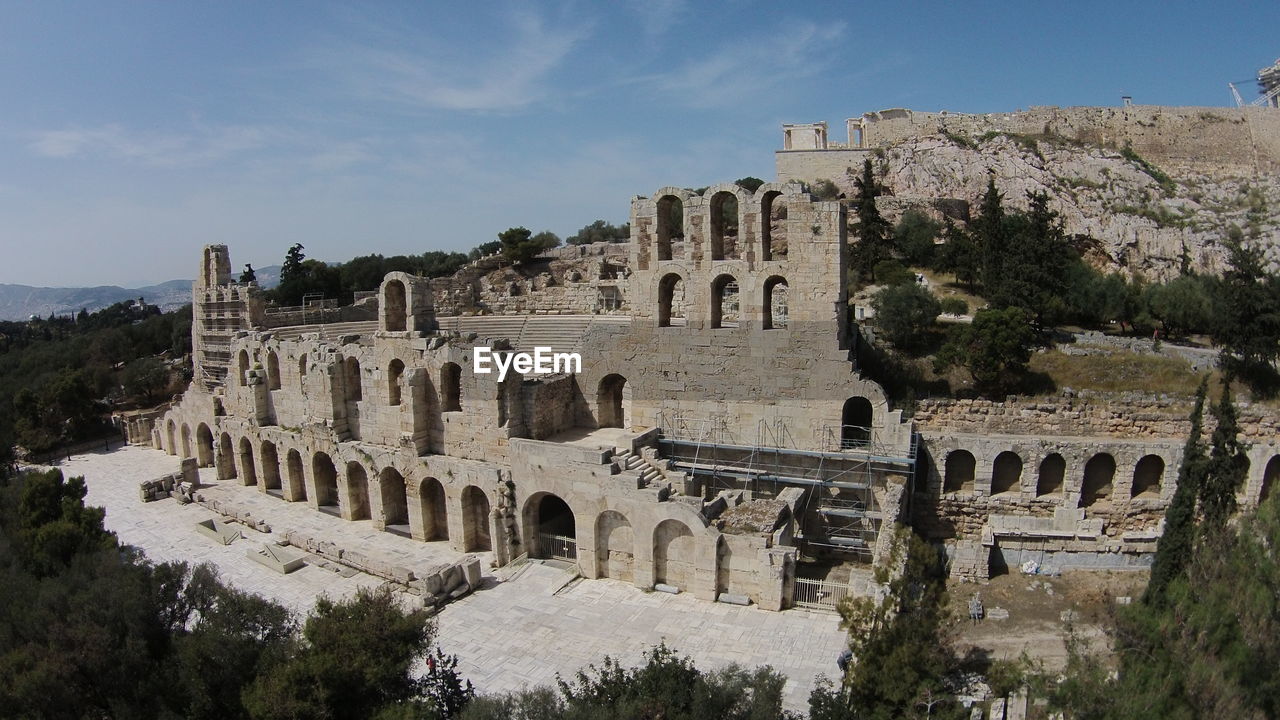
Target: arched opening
357,492
724,226
724,302
773,229
226,459
673,554
615,402
186,441
171,437
1053,471
302,371
615,546
271,468
959,471
248,473
395,372
671,301
394,312
351,368
1147,476
204,446
273,371
451,387
1269,476
435,517
297,481
855,423
552,528
1006,473
242,363
1098,474
395,503
775,303
670,225
724,565
475,521
326,480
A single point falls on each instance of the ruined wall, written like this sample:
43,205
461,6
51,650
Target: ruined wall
575,280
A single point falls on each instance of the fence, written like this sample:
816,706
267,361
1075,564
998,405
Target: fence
558,547
819,594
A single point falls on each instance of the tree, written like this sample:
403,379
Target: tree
750,184
248,275
600,231
54,525
520,246
1227,465
292,266
914,237
1027,256
995,348
1248,318
872,231
990,236
145,380
1173,549
959,255
904,313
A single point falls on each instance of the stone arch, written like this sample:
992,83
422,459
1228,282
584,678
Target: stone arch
475,520
204,446
671,301
435,516
1052,475
394,309
960,470
248,472
773,239
451,387
673,554
1006,473
395,502
1148,475
775,303
352,379
614,402
270,466
724,302
724,225
186,441
273,370
242,365
615,546
1270,474
325,476
171,437
357,500
548,518
226,459
856,421
1099,473
297,478
395,374
670,222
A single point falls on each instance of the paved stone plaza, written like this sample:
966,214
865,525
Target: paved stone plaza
508,636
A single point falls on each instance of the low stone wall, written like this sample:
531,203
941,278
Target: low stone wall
179,485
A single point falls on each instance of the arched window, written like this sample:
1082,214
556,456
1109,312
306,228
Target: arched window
1053,470
614,401
1006,473
775,303
1270,474
724,302
855,423
724,226
302,370
451,387
671,301
959,472
273,371
395,372
670,224
243,366
1098,474
773,231
394,313
351,367
1147,475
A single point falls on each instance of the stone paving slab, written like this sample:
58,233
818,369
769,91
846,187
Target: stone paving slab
507,636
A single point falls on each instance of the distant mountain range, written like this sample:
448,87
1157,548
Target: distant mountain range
19,302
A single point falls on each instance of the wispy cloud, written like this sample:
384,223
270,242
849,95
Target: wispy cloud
745,68
507,72
203,145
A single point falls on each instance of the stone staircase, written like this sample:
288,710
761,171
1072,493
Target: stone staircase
652,477
562,333
327,331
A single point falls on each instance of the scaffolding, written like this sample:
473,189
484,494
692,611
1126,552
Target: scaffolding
839,511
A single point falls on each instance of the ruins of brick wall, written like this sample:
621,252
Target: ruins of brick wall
573,280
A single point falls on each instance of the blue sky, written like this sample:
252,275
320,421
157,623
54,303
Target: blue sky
133,133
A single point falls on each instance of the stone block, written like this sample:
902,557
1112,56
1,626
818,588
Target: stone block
471,571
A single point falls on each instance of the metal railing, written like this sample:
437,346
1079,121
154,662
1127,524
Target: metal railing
819,594
558,547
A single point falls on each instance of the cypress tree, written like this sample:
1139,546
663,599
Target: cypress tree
874,233
989,233
1174,546
1227,465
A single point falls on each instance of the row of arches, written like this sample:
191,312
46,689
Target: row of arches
724,227
1097,478
726,306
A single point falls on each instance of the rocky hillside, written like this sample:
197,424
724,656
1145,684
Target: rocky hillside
1133,215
